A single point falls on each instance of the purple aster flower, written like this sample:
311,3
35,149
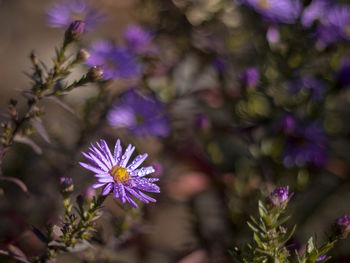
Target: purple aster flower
141,115
334,20
320,258
315,86
250,77
279,197
315,11
116,175
306,145
117,62
138,39
63,13
343,226
343,75
277,11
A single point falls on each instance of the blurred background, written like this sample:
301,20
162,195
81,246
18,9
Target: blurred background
255,98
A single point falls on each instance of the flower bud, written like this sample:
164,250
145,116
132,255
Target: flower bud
279,198
75,31
342,226
95,73
82,56
66,185
34,58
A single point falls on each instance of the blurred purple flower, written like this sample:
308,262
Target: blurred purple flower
138,39
141,115
273,34
202,121
315,86
277,11
320,258
250,77
315,11
334,20
117,62
115,175
343,75
220,64
64,12
306,145
343,226
288,124
279,197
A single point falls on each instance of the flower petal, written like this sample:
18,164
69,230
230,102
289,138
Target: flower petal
106,179
107,152
107,189
121,192
117,151
96,160
92,168
136,194
146,184
131,201
98,185
126,156
137,161
142,171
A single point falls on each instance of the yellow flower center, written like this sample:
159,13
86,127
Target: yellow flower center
140,119
264,4
119,174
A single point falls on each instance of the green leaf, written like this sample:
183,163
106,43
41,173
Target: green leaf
310,245
262,209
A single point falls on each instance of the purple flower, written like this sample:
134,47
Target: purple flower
288,124
141,115
315,86
334,20
138,39
277,11
306,145
116,175
343,226
343,75
220,64
75,31
250,77
279,197
320,258
273,34
66,185
315,11
63,13
117,62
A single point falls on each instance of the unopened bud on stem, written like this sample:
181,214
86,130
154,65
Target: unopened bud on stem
95,73
75,31
82,56
342,226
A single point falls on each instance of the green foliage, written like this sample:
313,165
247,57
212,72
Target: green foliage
270,238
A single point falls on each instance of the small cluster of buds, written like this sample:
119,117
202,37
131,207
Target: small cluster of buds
342,226
66,186
279,198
